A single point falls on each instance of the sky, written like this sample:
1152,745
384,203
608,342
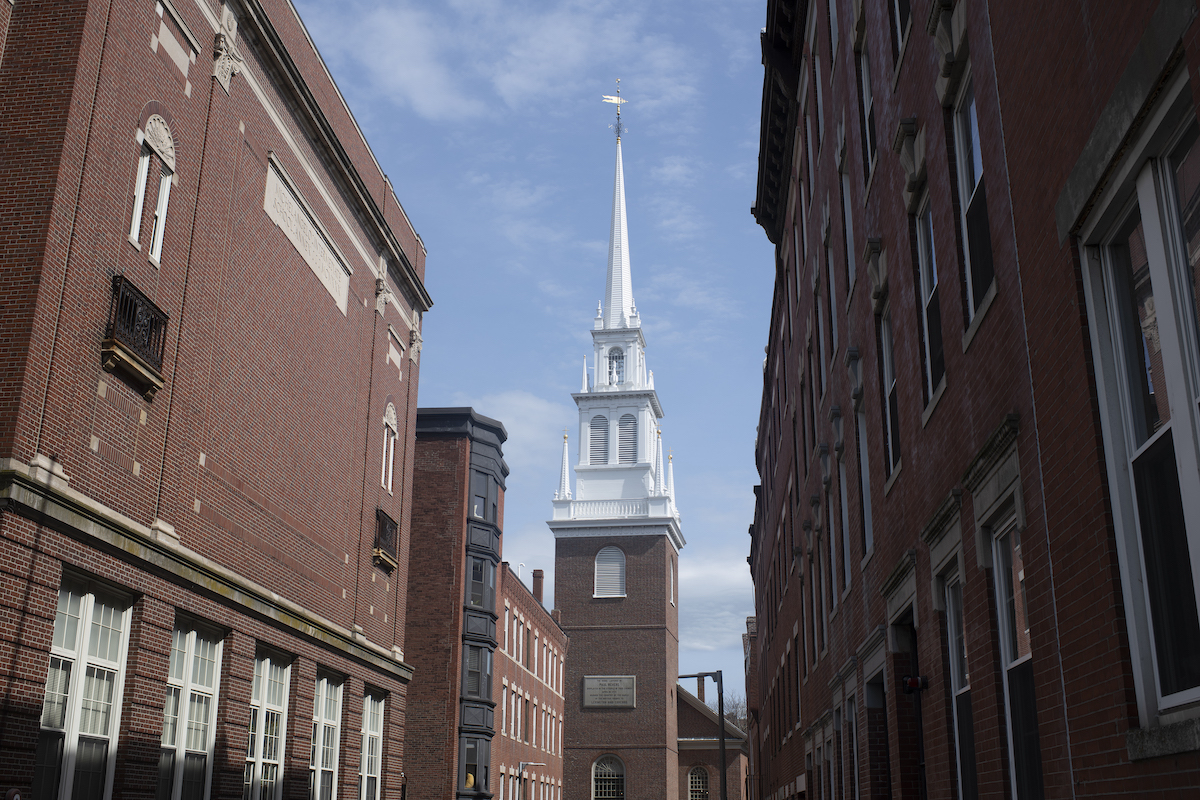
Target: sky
487,118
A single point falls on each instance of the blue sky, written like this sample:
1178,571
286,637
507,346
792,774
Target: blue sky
487,118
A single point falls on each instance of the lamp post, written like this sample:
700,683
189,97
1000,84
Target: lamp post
521,769
721,721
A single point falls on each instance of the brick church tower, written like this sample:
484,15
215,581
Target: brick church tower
617,561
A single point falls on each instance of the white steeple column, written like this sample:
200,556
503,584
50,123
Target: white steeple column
670,475
564,481
618,293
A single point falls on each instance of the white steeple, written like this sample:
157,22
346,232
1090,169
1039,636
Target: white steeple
621,487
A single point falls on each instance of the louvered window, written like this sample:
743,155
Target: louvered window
598,446
610,573
627,439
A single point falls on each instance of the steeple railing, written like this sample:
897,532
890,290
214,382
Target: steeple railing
604,509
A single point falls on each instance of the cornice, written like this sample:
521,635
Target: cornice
992,451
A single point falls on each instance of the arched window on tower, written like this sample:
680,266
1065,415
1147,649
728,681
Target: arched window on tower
598,441
698,784
610,572
608,779
627,449
616,366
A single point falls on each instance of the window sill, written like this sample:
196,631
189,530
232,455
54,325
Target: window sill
870,178
862,565
135,243
891,481
933,401
977,320
850,291
900,56
608,597
1164,740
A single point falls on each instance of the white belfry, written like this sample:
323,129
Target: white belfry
621,486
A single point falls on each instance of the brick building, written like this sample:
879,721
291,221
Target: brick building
700,750
530,669
211,313
617,543
976,545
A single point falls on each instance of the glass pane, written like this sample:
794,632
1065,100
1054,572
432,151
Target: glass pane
194,767
66,621
166,774
1027,749
247,781
58,685
270,776
275,682
98,687
1011,576
170,716
329,747
1185,163
105,641
204,664
327,785
198,717
178,654
965,727
47,765
1168,567
271,732
250,745
91,761
1137,321
959,676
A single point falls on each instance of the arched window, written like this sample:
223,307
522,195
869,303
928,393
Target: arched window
698,784
608,779
598,443
616,366
389,446
610,572
627,439
158,146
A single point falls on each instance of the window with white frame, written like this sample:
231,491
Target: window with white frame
866,112
1016,659
326,739
76,747
627,439
608,779
931,310
820,96
268,724
891,401
598,440
698,783
845,509
867,532
372,748
831,291
1143,252
389,446
960,689
976,231
148,159
158,226
145,157
189,711
610,572
847,231
852,746
833,30
899,16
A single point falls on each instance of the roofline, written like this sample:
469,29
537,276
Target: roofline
692,700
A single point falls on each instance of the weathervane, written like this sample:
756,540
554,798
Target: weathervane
617,100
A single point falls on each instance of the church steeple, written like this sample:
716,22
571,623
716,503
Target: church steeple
619,310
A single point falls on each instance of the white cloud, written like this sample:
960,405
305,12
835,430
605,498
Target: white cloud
715,592
534,425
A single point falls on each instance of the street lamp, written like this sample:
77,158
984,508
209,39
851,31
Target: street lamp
721,721
521,770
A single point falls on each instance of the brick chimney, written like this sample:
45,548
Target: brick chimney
700,688
538,577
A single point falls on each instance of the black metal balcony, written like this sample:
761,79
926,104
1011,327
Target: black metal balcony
387,534
135,337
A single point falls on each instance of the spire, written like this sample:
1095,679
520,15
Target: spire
671,476
660,486
564,484
618,291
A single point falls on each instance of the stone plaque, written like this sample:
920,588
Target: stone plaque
286,211
610,691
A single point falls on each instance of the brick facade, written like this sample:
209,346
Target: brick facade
946,490
213,465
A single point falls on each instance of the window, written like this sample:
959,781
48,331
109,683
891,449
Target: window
899,15
139,192
481,588
698,784
845,509
610,573
832,293
485,496
931,312
598,441
627,439
978,270
477,672
864,481
671,581
372,748
833,542
833,31
847,232
387,534
1016,658
866,112
158,228
608,779
852,745
389,447
808,140
268,722
820,104
1142,299
960,689
891,407
504,711
326,740
616,366
475,757
185,758
77,744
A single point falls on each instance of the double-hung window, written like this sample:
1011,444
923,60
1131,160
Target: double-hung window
189,714
977,247
899,15
891,407
866,112
147,158
1141,266
931,312
372,748
960,689
263,779
326,740
389,447
76,748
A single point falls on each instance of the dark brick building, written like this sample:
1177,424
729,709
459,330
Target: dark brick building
976,545
700,751
209,329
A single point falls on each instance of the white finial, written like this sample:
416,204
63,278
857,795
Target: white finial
660,485
585,386
671,476
564,483
618,101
